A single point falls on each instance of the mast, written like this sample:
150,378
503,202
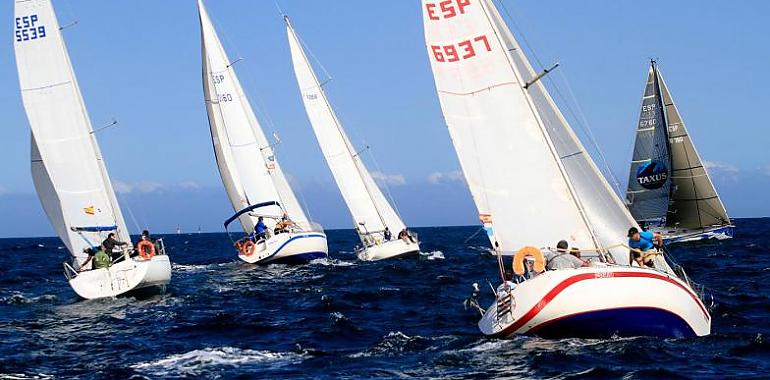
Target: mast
67,167
694,201
246,160
365,200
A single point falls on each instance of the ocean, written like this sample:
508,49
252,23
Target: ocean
340,318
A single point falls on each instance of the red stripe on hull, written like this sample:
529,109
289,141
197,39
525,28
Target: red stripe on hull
582,277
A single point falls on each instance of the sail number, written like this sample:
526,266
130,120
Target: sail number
446,9
27,28
463,50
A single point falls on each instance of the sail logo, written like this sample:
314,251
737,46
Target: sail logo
652,175
27,28
90,210
270,164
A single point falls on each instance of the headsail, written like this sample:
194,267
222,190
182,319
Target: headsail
246,161
531,179
694,200
67,167
649,179
370,210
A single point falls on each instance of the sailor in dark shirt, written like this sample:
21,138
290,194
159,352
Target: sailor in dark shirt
109,245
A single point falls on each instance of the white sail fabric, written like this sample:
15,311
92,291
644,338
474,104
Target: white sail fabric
607,216
370,210
246,161
531,179
67,168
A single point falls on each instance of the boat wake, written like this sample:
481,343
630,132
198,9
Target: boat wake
326,261
432,255
200,362
397,343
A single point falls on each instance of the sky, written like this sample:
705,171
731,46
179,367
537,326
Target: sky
139,62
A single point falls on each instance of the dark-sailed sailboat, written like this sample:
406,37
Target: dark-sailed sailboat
669,190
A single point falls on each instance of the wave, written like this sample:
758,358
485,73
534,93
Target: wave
432,255
199,362
396,343
326,261
18,298
24,376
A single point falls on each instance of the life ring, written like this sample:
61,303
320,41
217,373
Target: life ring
247,248
518,260
146,249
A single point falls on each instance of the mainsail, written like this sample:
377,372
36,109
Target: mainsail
246,161
649,183
531,179
667,183
694,201
67,167
370,210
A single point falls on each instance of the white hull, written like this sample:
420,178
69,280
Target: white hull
600,302
388,250
675,235
292,247
123,277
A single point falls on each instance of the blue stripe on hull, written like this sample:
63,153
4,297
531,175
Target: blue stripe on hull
625,322
302,258
710,234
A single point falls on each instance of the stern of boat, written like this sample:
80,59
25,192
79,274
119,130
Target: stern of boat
598,303
289,248
388,250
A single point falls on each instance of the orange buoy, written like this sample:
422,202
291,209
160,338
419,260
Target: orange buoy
518,260
146,249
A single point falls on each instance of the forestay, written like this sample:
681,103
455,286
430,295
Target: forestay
370,210
531,179
649,179
67,167
694,200
246,161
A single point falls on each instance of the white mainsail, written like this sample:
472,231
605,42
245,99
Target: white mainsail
67,167
368,206
531,179
245,157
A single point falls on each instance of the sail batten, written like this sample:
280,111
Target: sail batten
368,206
247,164
67,167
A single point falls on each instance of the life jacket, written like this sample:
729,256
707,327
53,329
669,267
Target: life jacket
101,260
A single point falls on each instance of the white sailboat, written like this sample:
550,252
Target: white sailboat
534,184
67,167
669,189
378,225
254,181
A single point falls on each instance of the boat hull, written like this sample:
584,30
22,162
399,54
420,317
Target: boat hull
289,248
123,277
675,236
598,303
389,250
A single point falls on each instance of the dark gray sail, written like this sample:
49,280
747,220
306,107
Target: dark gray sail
694,201
649,178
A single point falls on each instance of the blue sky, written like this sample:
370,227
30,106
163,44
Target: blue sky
139,62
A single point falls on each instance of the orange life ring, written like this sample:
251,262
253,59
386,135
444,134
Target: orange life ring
146,249
518,260
247,248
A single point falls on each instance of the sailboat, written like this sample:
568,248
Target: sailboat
67,167
374,219
534,184
669,190
254,181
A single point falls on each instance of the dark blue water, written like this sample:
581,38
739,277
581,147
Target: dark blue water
341,318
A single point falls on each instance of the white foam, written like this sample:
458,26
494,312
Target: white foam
194,363
325,261
433,255
24,376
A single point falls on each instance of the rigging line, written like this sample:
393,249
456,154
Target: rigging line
584,125
385,184
130,213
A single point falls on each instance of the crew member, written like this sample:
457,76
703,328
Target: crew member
642,245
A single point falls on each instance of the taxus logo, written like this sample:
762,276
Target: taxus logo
652,175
